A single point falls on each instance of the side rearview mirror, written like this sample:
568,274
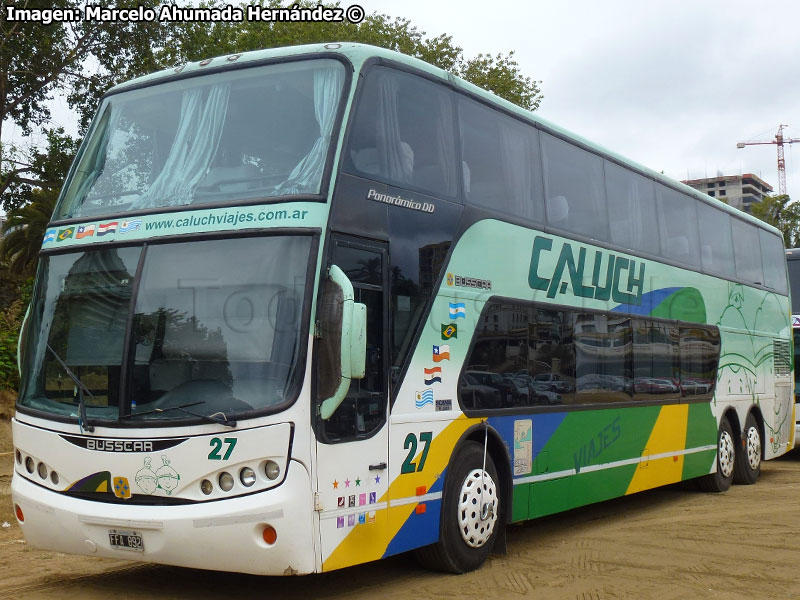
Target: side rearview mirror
343,328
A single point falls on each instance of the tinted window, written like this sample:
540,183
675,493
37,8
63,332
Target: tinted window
603,358
632,217
747,252
716,244
656,367
794,280
499,353
363,410
500,161
574,189
677,218
403,133
773,259
524,354
699,351
551,362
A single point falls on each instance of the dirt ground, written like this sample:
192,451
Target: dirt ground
663,544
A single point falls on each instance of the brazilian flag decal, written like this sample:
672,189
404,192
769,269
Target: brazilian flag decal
65,234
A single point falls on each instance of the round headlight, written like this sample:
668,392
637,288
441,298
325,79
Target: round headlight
272,469
226,481
19,457
29,466
247,476
54,478
206,487
42,469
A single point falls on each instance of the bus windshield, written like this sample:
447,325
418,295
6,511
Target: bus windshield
214,324
251,133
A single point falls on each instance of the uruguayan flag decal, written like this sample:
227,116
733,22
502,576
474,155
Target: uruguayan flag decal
424,398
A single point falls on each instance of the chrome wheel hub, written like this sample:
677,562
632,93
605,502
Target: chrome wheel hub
726,454
753,443
477,508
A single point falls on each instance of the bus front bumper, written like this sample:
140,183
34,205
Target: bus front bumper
225,535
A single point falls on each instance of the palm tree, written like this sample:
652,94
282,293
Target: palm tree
24,231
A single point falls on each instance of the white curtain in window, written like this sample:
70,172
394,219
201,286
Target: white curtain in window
203,112
305,178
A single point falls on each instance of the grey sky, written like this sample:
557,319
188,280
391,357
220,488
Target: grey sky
673,85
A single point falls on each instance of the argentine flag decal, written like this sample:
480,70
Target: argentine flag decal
458,309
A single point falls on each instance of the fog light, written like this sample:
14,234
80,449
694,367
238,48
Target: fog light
247,476
272,469
29,464
226,481
54,478
270,535
206,487
42,470
19,457
18,512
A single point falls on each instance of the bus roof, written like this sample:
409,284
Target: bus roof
357,54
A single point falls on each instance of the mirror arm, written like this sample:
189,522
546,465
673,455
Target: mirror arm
22,337
329,405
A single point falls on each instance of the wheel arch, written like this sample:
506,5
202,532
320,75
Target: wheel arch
736,425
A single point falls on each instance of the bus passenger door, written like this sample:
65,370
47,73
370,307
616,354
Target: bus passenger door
352,445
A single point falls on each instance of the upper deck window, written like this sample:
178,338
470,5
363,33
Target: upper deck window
574,192
251,133
632,219
773,261
402,133
677,220
500,161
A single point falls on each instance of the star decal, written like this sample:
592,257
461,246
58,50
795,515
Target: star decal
377,479
358,482
335,484
346,483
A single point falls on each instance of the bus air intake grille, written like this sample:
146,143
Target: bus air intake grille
782,357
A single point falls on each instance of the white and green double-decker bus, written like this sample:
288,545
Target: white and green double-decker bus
304,308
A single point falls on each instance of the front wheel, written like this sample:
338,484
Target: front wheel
721,480
470,517
748,462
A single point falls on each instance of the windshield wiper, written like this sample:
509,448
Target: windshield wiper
208,418
83,422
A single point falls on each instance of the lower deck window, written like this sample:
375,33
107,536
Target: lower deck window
526,354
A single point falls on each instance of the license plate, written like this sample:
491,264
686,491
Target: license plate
126,540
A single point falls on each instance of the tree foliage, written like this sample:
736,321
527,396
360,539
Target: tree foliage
780,212
24,230
78,60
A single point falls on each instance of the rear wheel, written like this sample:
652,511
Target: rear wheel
470,514
748,461
721,480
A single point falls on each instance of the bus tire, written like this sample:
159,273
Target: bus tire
748,461
466,536
721,479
